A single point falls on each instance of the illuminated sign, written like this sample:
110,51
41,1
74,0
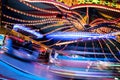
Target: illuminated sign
100,2
71,3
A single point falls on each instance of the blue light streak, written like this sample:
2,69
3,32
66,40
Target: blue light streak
17,26
80,58
77,35
1,39
81,52
21,73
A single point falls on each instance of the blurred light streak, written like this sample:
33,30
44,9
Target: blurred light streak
67,42
115,65
80,58
46,40
78,35
54,43
23,73
81,73
16,27
81,52
64,47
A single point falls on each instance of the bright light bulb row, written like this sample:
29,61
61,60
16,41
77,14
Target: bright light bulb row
28,24
48,2
28,14
49,26
74,7
97,6
39,9
7,23
32,21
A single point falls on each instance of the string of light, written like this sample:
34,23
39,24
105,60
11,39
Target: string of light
64,47
48,2
49,26
46,40
39,9
71,12
66,42
80,21
34,21
28,14
54,44
28,24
